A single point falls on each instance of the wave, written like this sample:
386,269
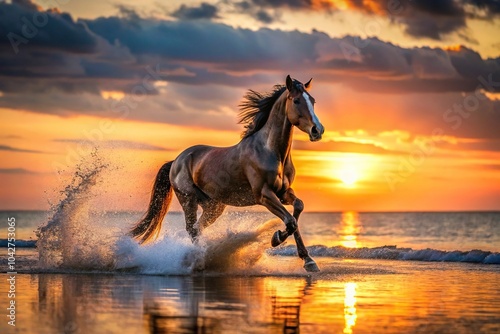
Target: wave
18,243
181,245
393,253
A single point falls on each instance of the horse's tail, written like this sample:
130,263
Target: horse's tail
149,226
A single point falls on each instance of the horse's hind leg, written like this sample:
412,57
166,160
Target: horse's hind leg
211,211
189,204
289,198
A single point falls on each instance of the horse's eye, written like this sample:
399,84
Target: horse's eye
296,101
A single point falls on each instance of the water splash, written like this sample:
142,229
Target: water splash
70,238
78,237
235,250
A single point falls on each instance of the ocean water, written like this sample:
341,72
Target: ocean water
380,273
472,237
75,270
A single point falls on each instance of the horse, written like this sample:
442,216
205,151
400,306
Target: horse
256,171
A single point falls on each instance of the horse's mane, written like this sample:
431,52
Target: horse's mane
256,107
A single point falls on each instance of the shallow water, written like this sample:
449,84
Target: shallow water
88,277
380,272
348,296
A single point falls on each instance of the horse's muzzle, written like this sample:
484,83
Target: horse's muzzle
316,132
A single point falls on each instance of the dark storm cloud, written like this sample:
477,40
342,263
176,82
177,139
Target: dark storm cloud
123,50
131,54
264,16
431,27
420,18
298,4
492,7
259,13
214,43
21,22
203,11
384,67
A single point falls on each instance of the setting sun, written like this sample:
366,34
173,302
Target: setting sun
349,177
350,169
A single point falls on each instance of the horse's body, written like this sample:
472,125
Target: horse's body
258,170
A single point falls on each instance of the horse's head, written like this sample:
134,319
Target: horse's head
300,109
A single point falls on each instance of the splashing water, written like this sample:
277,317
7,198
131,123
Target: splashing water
219,250
77,237
70,239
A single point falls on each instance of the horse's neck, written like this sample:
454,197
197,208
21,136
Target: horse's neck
278,130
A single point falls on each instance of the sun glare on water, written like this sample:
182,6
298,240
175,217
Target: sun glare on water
350,228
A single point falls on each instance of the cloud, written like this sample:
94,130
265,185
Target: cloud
113,54
219,46
11,137
203,11
15,149
119,144
315,181
195,71
22,22
423,18
16,171
343,146
259,13
486,145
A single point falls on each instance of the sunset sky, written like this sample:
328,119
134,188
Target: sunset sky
408,91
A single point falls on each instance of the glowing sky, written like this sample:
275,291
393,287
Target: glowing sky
408,91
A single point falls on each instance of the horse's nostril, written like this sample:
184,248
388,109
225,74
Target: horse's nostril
314,130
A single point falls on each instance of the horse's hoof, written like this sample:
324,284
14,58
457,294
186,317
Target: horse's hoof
311,266
276,239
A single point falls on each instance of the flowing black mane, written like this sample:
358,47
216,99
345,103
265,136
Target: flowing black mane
256,107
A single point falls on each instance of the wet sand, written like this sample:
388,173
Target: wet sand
348,296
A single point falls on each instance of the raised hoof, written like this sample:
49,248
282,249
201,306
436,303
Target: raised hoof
311,266
277,239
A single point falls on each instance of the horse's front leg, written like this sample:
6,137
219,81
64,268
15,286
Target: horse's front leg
272,203
289,198
270,200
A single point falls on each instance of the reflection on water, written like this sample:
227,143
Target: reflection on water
287,297
350,307
350,228
425,300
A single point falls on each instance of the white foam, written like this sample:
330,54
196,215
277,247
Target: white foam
394,253
174,255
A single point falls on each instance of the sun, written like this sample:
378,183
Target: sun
351,169
348,176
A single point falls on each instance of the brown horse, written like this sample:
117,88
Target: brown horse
258,170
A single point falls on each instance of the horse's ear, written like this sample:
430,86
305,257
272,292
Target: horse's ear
308,84
289,83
